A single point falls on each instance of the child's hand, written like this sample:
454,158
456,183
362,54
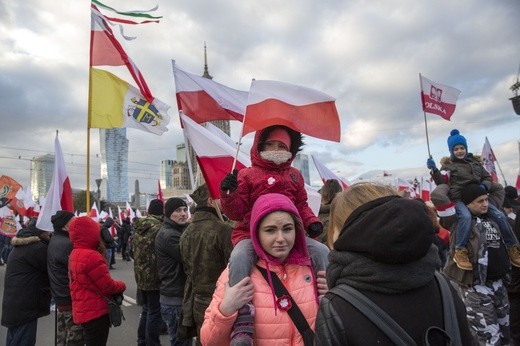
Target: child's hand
321,283
237,296
431,164
230,182
315,229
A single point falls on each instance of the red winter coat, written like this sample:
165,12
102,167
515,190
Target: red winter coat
261,178
90,280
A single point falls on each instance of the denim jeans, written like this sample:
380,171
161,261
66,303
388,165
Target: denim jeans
108,256
171,315
150,323
463,230
23,334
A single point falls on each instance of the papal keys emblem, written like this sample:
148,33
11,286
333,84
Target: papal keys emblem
144,112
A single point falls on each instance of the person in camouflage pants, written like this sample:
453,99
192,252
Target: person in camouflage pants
482,289
205,249
146,274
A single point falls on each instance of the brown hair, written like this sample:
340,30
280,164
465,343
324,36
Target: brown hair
351,199
329,190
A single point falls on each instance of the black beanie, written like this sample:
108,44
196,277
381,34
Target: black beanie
471,192
60,219
172,204
156,207
511,192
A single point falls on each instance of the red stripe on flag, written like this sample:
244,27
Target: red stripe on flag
318,120
67,202
201,107
214,169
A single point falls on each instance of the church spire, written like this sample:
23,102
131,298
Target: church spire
206,72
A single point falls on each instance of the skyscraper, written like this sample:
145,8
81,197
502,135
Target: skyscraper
42,168
114,165
301,162
166,174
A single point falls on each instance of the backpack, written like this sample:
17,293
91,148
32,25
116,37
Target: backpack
391,329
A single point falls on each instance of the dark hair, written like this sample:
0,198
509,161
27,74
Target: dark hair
296,138
329,190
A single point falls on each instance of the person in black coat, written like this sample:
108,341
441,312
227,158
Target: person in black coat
382,247
58,254
27,295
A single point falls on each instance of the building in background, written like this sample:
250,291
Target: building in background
114,165
42,168
301,162
166,174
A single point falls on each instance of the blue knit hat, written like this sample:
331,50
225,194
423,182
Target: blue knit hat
456,138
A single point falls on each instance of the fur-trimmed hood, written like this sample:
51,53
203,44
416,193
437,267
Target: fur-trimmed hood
260,138
447,160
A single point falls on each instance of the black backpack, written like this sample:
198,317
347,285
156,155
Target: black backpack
391,329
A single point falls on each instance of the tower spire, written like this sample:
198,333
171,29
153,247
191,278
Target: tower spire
206,72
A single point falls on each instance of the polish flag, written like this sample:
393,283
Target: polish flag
160,196
59,196
488,160
204,100
427,186
437,98
214,155
130,214
94,213
305,110
120,214
327,174
518,182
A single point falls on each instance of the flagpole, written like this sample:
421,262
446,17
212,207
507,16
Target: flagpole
425,122
88,139
190,168
500,169
240,137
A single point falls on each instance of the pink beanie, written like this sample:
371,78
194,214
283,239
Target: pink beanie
280,135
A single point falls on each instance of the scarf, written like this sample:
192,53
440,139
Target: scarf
363,273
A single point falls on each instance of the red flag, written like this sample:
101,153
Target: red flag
105,49
437,98
159,191
518,182
214,155
59,196
427,186
326,174
203,99
94,213
488,160
306,110
8,189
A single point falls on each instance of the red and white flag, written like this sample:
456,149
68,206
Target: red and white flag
302,109
427,186
488,160
203,99
59,196
94,212
326,174
214,155
120,215
160,196
437,98
130,214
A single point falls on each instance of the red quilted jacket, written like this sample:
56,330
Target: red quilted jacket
262,178
90,280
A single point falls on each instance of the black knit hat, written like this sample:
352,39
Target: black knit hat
156,207
61,218
471,192
511,192
172,204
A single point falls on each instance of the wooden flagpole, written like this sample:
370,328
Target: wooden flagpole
425,122
239,140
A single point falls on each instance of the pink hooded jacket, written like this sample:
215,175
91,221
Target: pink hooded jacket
273,326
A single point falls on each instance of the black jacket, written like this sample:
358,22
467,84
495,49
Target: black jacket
169,260
385,251
26,293
58,254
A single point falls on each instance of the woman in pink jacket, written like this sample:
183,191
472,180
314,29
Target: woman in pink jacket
90,281
278,238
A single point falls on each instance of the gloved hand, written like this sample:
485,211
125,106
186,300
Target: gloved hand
484,187
315,229
431,164
230,182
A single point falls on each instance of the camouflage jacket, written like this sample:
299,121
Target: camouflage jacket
143,245
205,249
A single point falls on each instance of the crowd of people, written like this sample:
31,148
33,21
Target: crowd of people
257,267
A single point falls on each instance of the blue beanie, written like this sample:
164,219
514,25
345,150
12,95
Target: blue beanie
456,138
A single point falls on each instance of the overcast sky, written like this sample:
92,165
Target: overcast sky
366,54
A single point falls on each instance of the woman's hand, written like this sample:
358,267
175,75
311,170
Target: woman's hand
237,296
321,282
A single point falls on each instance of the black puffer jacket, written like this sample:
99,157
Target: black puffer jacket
26,293
169,259
385,251
58,254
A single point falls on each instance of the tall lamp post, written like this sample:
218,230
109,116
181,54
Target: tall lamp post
98,194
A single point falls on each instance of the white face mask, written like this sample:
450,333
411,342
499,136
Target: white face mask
277,157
